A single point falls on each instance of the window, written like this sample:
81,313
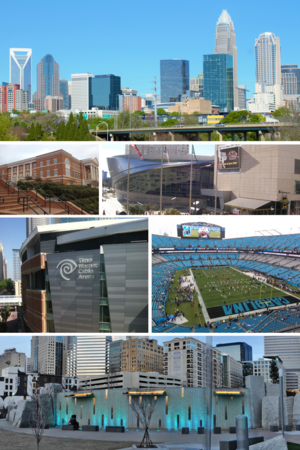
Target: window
48,162
34,165
27,167
48,173
112,412
55,161
55,172
67,167
15,169
41,164
34,174
41,173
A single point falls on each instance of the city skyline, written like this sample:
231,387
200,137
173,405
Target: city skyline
23,343
246,32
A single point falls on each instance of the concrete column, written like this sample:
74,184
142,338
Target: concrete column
172,136
220,135
155,136
209,135
112,137
262,137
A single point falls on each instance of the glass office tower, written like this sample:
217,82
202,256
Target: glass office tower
267,59
16,265
240,351
64,90
47,81
105,91
20,63
218,80
290,79
174,79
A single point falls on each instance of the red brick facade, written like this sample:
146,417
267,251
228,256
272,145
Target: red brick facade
36,310
37,262
58,167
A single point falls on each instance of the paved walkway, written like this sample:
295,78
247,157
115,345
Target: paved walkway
166,440
111,205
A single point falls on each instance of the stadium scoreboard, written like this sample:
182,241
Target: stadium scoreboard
200,230
229,158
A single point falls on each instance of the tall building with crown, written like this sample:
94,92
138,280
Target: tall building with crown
225,43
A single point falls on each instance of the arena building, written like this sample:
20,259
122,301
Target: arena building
58,167
240,178
145,176
86,277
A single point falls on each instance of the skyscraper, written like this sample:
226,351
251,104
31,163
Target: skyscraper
288,350
82,91
88,355
225,43
47,354
267,67
174,79
64,90
33,222
290,79
16,265
267,59
105,91
20,64
47,81
218,80
2,264
240,351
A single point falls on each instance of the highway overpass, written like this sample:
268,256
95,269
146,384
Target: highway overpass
193,132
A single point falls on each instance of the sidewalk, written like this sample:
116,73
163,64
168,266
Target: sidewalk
55,438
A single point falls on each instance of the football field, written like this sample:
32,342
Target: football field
225,292
224,286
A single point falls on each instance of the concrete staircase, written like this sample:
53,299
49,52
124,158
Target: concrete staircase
9,204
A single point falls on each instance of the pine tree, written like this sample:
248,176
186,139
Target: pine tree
274,372
31,135
38,131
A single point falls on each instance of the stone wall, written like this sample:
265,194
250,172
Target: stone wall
256,387
271,412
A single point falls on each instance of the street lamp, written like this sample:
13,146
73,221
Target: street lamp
173,201
140,204
106,129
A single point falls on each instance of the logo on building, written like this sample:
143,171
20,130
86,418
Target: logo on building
67,266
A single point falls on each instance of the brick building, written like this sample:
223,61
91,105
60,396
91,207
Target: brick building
58,167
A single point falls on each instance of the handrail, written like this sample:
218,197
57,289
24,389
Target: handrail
87,206
67,207
27,197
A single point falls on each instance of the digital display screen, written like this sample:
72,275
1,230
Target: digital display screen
228,158
204,231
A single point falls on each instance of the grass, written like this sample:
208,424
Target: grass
292,446
225,278
191,313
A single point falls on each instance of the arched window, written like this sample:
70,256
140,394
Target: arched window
68,167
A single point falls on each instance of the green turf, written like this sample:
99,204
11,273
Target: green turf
212,297
292,446
191,313
206,278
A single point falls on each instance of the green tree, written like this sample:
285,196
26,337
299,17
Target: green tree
274,372
170,123
10,285
171,212
282,112
6,127
161,111
139,113
38,132
4,315
31,134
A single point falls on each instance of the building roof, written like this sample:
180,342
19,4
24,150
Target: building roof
247,203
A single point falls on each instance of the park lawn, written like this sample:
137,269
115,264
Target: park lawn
191,313
211,298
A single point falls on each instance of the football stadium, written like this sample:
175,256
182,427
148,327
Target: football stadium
205,283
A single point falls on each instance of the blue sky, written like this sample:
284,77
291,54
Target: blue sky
22,343
12,235
130,38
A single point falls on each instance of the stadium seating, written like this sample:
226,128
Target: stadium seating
285,269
